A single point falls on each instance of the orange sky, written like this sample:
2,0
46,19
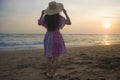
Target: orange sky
87,16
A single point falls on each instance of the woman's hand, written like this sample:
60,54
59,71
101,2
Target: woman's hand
64,11
42,12
68,19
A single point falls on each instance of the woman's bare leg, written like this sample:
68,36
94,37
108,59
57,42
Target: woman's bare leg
49,66
55,65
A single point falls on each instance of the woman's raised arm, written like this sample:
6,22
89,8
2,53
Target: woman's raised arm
42,13
68,19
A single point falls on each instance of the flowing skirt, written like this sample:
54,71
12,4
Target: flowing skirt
54,44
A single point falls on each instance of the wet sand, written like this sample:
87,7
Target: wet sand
80,63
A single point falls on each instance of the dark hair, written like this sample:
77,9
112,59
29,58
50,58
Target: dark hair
52,21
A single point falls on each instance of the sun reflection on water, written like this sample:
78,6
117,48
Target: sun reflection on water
107,43
106,40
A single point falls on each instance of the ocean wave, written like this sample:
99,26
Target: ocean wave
17,43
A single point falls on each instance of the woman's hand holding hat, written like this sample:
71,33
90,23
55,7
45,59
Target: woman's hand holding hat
42,12
64,11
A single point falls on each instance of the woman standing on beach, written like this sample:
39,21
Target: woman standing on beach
53,41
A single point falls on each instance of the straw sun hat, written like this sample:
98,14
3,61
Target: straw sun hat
54,8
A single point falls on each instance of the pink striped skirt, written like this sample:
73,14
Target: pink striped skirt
54,44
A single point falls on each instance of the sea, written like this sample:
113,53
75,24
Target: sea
35,41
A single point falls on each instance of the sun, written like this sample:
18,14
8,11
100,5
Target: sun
106,25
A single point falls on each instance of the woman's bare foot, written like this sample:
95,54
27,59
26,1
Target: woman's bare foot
48,75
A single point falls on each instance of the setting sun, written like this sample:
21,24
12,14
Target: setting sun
106,25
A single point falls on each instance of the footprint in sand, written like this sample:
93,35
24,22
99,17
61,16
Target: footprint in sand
74,78
73,72
96,79
63,77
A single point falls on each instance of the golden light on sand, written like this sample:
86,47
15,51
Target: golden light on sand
106,25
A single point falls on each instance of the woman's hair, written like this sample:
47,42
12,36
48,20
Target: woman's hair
52,21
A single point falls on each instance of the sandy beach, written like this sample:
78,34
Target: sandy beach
80,63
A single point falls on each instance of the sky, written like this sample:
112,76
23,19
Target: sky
87,16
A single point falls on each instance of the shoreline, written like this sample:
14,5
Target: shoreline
80,63
42,47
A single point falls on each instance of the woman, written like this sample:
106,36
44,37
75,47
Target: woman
53,41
